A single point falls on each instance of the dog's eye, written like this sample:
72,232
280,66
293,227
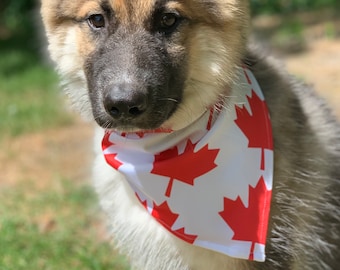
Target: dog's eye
97,21
168,22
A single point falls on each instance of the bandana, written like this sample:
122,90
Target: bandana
210,183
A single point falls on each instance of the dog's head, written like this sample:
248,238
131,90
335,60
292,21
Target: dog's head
146,64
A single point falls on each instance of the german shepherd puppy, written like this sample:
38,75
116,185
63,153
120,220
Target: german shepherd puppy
159,65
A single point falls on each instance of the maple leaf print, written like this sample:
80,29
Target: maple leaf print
249,223
185,167
256,126
163,214
110,158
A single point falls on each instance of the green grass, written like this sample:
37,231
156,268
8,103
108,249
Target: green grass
29,92
69,242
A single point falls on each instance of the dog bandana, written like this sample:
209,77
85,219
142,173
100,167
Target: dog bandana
210,183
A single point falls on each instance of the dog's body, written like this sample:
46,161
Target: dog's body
146,65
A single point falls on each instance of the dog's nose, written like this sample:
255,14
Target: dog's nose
124,102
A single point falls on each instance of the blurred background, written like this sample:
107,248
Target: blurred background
49,218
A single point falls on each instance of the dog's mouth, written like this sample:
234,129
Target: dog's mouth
135,113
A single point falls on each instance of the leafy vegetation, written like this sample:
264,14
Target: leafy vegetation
17,14
10,9
289,6
28,88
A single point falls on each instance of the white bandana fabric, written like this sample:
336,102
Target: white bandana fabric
210,183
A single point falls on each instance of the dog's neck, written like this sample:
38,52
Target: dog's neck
209,183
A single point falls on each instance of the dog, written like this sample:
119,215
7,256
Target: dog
165,78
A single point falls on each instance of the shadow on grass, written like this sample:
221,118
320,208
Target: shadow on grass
25,43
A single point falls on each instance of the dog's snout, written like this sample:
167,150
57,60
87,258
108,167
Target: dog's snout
125,102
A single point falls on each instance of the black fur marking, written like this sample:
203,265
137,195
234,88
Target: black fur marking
134,62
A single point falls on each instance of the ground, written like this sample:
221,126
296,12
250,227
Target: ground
319,66
63,152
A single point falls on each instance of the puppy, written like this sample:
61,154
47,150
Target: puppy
209,156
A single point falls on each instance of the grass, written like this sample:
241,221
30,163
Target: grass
52,230
29,99
55,227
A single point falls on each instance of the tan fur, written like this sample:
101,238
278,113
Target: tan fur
211,46
136,12
88,8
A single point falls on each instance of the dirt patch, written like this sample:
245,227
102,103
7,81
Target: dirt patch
65,152
319,65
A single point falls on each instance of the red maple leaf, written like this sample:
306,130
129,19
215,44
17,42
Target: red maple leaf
110,158
249,223
163,214
185,167
256,126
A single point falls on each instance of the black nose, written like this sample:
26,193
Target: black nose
124,102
